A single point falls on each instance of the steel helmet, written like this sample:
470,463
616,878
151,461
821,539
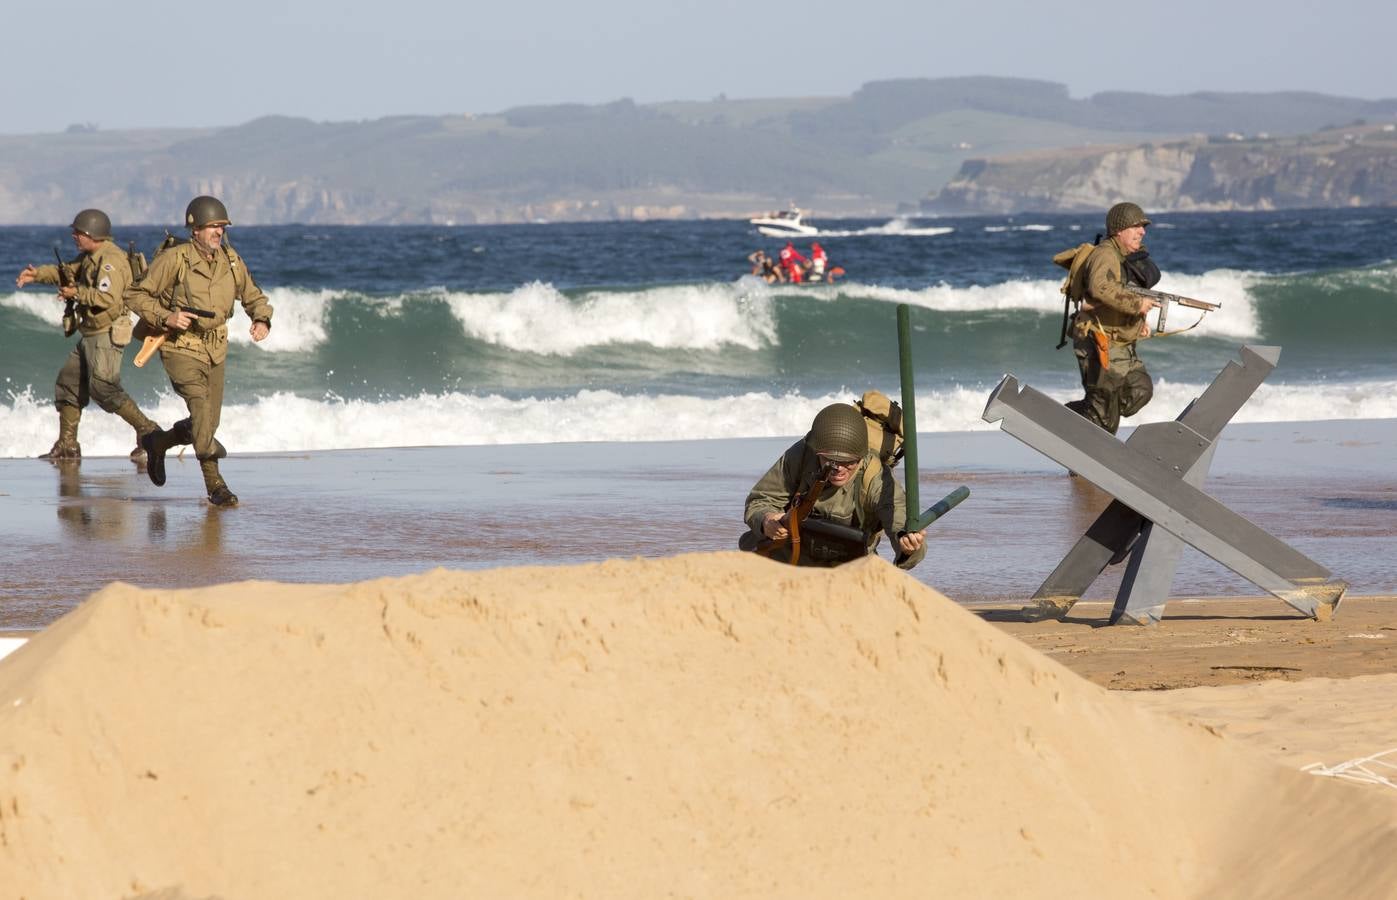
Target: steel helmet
203,211
839,432
1123,216
93,223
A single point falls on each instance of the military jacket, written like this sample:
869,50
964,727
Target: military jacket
875,506
102,277
1105,301
181,276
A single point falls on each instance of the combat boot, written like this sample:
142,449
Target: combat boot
182,432
219,494
66,447
155,443
131,414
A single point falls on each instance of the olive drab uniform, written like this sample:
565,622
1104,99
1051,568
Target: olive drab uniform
871,501
1122,386
93,368
194,360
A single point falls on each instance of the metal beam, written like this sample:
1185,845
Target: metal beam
1118,526
1152,483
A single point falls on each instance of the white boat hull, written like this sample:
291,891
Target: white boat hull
787,230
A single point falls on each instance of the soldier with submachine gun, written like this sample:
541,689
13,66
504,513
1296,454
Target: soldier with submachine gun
1110,283
185,301
92,288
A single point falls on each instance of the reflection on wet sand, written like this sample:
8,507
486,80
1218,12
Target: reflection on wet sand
356,515
96,506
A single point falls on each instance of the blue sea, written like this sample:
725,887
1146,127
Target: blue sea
542,333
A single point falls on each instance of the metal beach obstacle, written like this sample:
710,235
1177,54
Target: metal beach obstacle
1156,478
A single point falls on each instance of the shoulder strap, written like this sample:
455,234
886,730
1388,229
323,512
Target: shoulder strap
868,502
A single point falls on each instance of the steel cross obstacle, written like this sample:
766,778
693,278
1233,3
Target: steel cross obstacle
1156,478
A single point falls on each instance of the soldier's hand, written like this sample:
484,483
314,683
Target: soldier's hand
774,527
1147,304
26,275
68,293
259,330
910,542
178,320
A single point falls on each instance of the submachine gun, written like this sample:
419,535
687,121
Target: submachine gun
852,539
1165,300
797,518
151,340
65,280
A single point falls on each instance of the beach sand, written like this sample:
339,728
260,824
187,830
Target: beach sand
682,724
708,725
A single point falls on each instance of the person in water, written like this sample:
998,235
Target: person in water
792,262
765,267
818,262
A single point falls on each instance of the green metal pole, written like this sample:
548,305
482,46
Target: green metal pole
909,412
916,522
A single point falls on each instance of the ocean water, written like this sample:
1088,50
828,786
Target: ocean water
476,335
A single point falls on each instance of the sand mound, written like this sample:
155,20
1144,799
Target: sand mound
705,726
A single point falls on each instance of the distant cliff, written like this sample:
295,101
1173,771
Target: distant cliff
1354,166
876,152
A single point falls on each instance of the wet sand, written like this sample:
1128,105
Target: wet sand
1214,642
1328,488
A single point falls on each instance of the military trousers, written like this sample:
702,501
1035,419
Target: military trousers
200,382
1120,389
92,371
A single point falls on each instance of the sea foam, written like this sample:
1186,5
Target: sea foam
285,422
541,319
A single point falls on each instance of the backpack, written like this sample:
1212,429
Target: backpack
1072,259
136,260
884,420
883,417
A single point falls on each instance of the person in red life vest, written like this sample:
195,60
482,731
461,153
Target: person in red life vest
791,261
818,262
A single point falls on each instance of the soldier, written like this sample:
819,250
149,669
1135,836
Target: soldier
205,274
860,493
100,275
1110,321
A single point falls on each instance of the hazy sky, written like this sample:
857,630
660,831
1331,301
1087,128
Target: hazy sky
192,63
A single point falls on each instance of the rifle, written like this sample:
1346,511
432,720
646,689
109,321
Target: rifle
65,280
796,513
853,538
1166,299
137,260
152,342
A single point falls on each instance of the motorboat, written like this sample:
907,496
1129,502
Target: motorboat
784,223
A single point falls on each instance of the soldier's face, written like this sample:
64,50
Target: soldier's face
84,243
1131,238
838,471
210,237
